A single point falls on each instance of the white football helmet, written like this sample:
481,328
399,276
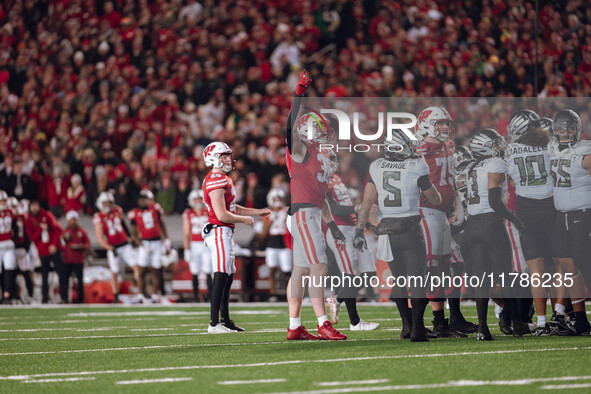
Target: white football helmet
147,194
105,202
195,194
435,122
322,132
4,203
212,155
276,198
12,202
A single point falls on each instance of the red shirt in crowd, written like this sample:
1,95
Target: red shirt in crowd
43,237
77,243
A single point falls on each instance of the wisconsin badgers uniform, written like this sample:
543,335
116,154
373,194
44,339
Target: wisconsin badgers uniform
277,254
220,239
436,230
200,258
148,223
113,229
309,184
350,260
7,225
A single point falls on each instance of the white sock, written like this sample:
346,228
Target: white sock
559,309
322,319
294,322
541,321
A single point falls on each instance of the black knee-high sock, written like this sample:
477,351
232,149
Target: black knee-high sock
217,293
418,311
209,285
482,310
29,283
225,306
10,283
402,305
454,310
195,281
161,275
511,307
352,310
524,305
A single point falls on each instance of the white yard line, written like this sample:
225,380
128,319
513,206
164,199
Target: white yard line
57,380
163,380
352,382
566,386
169,313
290,362
450,384
232,382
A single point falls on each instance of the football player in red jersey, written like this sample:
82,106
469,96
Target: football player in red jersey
7,256
196,253
219,197
113,235
45,232
310,170
435,125
22,244
147,224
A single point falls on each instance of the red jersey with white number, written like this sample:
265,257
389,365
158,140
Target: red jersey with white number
214,181
338,190
112,226
6,218
442,168
20,238
196,221
309,180
147,221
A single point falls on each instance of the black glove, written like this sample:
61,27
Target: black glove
359,241
336,232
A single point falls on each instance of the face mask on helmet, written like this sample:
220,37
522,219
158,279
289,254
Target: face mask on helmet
399,147
316,128
435,122
215,156
567,127
487,143
462,154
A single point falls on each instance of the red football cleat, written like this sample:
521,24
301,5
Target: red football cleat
299,333
327,331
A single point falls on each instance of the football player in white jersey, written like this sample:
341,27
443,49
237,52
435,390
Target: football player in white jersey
351,262
277,254
529,167
570,161
486,236
397,180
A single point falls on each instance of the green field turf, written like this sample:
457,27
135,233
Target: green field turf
110,349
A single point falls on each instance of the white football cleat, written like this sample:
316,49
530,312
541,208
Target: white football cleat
364,326
219,329
334,307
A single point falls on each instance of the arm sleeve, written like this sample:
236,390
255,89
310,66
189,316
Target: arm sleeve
496,203
339,210
424,182
293,113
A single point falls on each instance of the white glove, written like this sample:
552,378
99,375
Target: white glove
458,215
187,255
167,244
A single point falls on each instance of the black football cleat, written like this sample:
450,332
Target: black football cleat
406,330
520,329
463,326
430,334
484,333
230,325
505,323
442,330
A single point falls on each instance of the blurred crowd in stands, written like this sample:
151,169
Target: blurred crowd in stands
124,95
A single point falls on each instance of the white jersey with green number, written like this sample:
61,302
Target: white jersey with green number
529,167
396,183
477,183
572,182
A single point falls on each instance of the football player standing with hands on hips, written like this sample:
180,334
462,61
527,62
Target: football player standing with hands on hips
219,197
